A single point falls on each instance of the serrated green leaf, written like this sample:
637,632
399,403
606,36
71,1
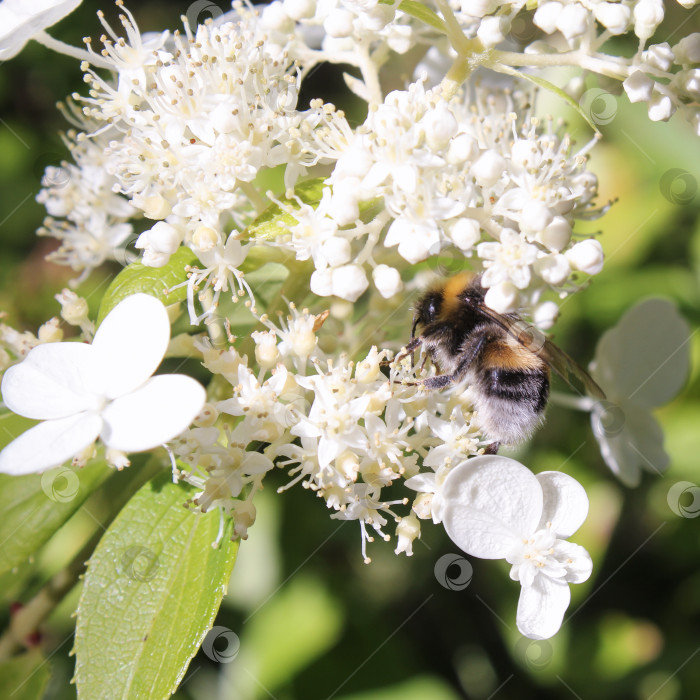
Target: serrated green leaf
151,592
541,82
25,677
423,13
267,226
36,505
156,281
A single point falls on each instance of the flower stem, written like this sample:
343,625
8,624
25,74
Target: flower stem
596,64
578,403
28,618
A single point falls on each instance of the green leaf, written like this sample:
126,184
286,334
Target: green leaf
541,82
156,281
270,223
25,677
36,505
152,589
423,13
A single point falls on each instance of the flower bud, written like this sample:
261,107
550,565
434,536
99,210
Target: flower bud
553,269
660,107
492,30
546,16
503,297
638,87
74,308
266,351
387,280
488,168
440,126
556,235
687,50
49,332
465,233
648,15
159,243
586,256
659,56
613,16
206,417
336,251
339,23
321,282
349,282
573,21
300,9
545,315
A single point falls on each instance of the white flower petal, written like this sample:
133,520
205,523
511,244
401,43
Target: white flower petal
565,503
638,444
541,607
580,565
131,342
646,356
157,412
489,502
425,483
49,444
53,381
20,20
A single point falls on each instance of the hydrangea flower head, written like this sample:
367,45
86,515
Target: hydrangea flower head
495,508
641,363
82,392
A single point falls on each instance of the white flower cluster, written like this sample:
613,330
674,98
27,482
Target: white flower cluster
85,214
345,430
667,78
482,177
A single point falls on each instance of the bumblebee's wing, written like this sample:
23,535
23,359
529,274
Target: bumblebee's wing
565,366
534,340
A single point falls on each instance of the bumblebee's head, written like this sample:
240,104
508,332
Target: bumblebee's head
427,309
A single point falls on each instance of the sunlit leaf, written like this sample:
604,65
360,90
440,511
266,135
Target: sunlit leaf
36,505
156,281
151,592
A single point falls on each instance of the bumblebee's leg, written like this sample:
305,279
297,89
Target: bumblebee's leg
492,449
439,382
415,342
468,358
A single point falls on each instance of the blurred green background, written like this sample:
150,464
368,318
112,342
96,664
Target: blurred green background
314,621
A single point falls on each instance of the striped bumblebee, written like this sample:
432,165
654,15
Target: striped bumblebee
504,360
